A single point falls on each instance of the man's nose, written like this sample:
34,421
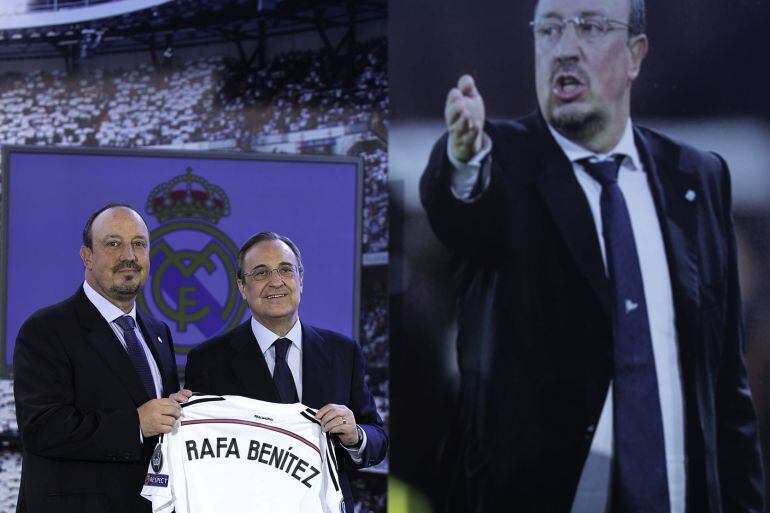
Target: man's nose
275,278
128,252
569,44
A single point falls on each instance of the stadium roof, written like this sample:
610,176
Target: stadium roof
75,29
19,14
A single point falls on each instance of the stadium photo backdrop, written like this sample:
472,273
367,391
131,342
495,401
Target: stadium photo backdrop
199,207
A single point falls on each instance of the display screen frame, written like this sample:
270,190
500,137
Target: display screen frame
308,201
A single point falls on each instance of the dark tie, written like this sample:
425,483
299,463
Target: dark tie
640,482
282,377
136,353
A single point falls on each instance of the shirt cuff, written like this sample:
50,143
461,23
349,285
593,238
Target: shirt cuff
356,452
464,176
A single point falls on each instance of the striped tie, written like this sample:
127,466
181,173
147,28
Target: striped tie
136,353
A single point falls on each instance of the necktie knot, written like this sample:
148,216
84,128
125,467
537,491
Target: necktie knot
605,171
281,348
126,323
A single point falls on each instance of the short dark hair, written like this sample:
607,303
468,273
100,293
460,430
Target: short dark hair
637,18
261,237
88,239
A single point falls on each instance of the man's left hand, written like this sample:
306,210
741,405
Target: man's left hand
338,419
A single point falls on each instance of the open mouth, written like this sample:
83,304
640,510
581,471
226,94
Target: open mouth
568,86
276,296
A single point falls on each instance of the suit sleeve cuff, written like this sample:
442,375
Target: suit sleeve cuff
356,452
464,177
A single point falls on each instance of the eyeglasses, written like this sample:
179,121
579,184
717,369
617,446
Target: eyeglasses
588,28
286,271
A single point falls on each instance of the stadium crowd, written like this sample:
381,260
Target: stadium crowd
207,100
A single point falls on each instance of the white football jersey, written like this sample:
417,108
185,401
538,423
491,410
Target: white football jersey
240,455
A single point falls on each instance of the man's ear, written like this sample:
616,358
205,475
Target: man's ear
85,255
637,46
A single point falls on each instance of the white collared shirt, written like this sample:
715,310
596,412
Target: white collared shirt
111,313
266,339
594,487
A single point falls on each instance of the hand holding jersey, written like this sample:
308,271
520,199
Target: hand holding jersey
339,420
231,453
157,416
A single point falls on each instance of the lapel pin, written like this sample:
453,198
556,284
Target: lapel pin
689,195
160,340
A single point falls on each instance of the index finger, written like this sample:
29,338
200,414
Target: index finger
453,96
467,86
182,396
326,409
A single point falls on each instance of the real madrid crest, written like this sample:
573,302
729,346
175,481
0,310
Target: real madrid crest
193,263
157,458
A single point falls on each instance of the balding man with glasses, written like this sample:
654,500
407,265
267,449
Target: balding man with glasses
274,357
599,277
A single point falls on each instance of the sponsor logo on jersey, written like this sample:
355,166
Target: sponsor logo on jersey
157,458
191,284
160,480
263,418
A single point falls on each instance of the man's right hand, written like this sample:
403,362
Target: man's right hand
464,116
158,416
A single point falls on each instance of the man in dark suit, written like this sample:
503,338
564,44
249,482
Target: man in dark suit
273,357
598,270
90,374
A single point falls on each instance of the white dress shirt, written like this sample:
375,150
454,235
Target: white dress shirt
266,339
111,313
593,491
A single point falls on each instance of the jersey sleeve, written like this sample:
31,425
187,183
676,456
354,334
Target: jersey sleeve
160,481
332,500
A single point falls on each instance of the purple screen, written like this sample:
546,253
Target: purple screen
197,218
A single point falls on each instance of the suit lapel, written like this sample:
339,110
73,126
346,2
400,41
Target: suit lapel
155,342
569,208
315,368
106,344
671,186
249,365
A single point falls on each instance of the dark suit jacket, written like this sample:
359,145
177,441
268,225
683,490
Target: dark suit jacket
332,372
76,398
535,302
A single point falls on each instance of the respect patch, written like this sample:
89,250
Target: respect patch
160,480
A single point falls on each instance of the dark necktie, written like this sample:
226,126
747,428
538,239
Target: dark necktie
640,482
282,377
136,353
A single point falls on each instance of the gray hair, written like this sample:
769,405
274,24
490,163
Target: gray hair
637,18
